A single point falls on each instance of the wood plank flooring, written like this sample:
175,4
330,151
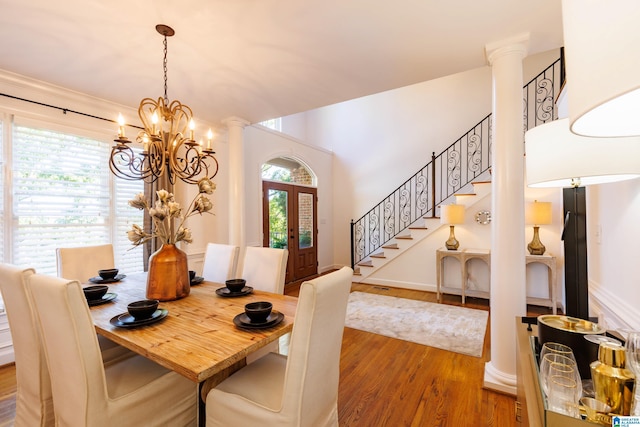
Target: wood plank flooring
385,382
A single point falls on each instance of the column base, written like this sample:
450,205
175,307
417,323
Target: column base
499,381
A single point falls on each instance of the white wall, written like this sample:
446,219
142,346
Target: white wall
261,145
613,234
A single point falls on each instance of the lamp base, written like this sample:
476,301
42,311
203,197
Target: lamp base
536,247
452,244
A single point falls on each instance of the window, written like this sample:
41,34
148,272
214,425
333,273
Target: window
275,124
63,195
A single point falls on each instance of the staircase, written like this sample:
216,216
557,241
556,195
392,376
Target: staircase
422,229
461,172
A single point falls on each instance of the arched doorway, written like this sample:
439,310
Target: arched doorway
289,204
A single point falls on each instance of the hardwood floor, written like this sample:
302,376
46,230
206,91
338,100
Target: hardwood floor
385,382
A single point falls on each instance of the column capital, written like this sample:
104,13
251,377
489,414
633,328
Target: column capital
515,45
235,121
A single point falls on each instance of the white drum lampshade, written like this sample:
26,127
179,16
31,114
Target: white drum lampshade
555,157
601,39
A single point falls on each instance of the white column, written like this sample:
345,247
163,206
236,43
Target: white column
508,275
236,125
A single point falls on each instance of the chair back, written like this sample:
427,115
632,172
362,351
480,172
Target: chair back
34,403
264,268
313,365
82,263
73,355
220,262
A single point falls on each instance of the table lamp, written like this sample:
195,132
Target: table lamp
452,214
537,213
556,157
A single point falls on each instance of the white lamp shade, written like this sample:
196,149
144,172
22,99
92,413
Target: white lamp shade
555,157
452,214
601,39
538,213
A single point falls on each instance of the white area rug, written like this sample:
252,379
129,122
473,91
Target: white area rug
443,326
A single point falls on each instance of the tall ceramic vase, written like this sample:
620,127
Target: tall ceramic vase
168,277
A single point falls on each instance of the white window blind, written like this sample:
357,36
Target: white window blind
2,189
127,257
62,198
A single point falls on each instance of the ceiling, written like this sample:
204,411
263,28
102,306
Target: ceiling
260,59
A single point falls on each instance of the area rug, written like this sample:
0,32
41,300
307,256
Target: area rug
447,327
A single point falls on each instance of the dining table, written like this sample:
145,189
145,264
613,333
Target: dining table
198,338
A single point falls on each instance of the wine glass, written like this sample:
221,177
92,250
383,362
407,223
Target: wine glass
554,347
556,364
563,395
632,349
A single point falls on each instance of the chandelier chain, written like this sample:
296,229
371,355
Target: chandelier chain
164,69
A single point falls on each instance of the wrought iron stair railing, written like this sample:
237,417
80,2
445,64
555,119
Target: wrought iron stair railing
448,172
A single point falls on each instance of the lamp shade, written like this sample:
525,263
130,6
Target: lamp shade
538,213
452,214
555,157
601,39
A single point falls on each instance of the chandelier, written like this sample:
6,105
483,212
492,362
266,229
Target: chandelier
168,145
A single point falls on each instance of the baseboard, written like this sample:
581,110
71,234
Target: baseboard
403,285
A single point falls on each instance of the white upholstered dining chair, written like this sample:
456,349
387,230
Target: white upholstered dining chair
129,392
220,262
264,268
300,389
82,263
34,404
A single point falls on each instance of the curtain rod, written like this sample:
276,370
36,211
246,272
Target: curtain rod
64,110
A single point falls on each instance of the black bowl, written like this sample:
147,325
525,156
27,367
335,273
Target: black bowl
143,309
258,311
235,285
107,274
96,292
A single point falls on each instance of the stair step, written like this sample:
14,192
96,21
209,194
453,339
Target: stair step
367,263
480,182
391,246
464,194
418,227
405,237
378,255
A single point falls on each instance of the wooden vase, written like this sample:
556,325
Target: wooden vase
168,277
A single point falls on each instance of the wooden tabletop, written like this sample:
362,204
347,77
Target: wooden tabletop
198,338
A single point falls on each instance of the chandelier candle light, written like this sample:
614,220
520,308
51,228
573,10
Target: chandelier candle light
452,214
167,140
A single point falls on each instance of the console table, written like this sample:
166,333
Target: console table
465,255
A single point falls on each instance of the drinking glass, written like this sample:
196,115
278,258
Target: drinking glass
563,396
632,349
555,364
554,347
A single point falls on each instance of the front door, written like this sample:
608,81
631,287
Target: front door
290,221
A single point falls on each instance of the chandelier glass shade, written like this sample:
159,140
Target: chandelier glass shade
167,141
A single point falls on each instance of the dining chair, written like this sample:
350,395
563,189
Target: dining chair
264,269
130,392
220,262
82,263
300,389
34,403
